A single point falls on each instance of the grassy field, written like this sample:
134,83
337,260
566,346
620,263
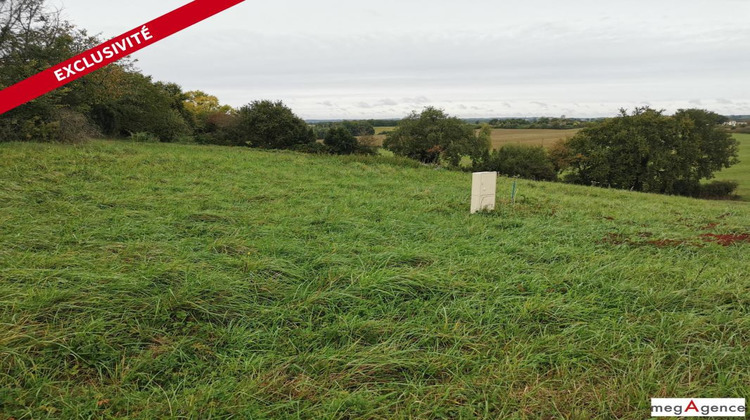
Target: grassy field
381,130
152,281
501,137
380,134
741,171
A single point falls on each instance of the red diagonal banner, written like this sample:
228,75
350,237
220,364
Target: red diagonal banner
111,51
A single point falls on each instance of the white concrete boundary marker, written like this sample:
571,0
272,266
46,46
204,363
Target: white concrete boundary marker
483,191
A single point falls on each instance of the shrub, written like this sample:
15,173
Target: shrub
73,127
340,141
220,128
170,126
529,162
57,125
718,189
356,128
359,128
269,125
129,102
144,137
312,148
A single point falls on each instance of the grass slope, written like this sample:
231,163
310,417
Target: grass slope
148,281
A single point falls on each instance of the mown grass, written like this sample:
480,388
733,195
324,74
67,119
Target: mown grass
151,281
741,171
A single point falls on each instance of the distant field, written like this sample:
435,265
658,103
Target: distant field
381,130
741,171
505,136
380,136
544,138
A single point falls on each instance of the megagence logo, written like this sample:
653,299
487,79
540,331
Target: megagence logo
698,407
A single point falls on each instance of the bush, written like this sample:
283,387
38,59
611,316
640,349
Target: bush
718,189
57,125
529,162
312,148
340,141
171,126
221,129
129,102
356,128
143,137
73,127
269,125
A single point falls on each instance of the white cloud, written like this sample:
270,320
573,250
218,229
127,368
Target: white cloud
521,57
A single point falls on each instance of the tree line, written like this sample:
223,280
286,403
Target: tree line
119,101
542,123
645,150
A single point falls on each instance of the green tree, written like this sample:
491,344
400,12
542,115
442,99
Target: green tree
203,109
125,101
432,136
649,151
33,38
340,141
270,125
118,99
706,148
560,155
359,128
529,162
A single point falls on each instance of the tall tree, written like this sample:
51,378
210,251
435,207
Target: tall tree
204,110
433,135
649,151
32,38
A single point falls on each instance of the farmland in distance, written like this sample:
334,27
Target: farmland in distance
500,137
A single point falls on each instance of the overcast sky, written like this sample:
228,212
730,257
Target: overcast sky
474,58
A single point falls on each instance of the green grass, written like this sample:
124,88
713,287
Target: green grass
151,281
741,171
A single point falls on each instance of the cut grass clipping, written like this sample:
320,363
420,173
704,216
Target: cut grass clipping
150,280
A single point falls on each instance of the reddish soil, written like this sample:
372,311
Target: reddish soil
726,239
667,243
